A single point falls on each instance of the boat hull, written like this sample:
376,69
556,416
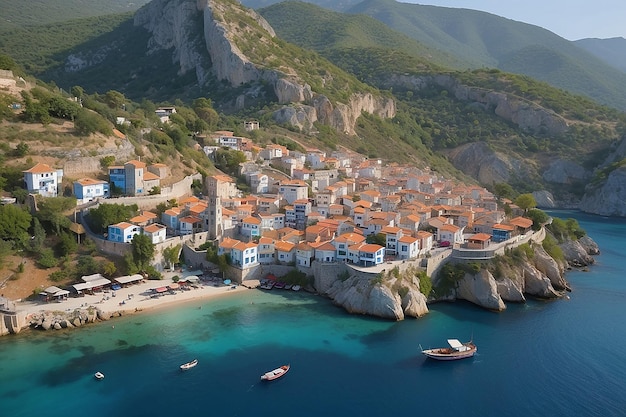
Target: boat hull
463,351
276,373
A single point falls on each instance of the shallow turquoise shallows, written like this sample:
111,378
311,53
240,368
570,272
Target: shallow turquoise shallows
542,358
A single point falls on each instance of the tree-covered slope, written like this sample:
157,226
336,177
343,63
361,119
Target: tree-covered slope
612,51
485,40
17,14
313,27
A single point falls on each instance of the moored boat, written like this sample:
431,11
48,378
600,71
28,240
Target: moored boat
457,350
276,373
296,287
99,375
189,365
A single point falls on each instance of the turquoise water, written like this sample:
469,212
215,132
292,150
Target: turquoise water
558,358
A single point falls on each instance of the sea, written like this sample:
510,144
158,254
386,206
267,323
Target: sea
564,357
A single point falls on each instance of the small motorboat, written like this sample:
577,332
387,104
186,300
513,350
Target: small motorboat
276,373
189,365
99,375
457,350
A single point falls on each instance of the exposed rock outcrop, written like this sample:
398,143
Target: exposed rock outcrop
527,115
173,26
487,166
609,198
544,199
392,295
565,172
480,289
578,255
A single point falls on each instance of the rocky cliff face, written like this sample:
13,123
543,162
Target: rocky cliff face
608,197
523,113
173,25
389,295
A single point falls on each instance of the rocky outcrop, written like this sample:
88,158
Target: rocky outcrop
544,199
173,26
393,295
565,172
480,289
56,320
487,166
527,115
578,253
609,198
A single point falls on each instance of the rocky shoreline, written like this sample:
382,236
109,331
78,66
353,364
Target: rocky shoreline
57,320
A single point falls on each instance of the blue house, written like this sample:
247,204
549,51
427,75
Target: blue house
117,177
501,232
88,189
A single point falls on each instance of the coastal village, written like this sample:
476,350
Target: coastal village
302,208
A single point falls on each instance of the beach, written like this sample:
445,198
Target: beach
135,298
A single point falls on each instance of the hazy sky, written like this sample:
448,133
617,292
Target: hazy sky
570,19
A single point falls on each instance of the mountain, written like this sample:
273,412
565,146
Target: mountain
355,91
612,51
337,5
486,40
313,27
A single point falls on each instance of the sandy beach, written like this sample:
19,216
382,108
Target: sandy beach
138,297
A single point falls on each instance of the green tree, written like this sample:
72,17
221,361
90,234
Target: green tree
67,244
39,236
47,259
77,91
525,202
14,223
503,190
88,122
21,149
228,160
54,210
142,251
101,217
114,99
378,238
539,217
107,161
172,255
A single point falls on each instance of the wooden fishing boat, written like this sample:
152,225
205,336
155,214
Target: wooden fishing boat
189,365
276,373
457,350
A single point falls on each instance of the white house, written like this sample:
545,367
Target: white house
294,190
408,247
43,180
122,232
325,253
156,232
285,252
251,226
371,254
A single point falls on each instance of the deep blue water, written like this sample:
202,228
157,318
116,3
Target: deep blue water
541,358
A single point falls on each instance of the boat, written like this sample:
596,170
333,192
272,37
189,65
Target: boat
296,287
457,350
189,365
276,373
99,375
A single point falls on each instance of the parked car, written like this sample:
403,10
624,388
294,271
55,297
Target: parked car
444,244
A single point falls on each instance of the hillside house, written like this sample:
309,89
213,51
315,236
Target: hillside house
89,189
122,232
43,180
